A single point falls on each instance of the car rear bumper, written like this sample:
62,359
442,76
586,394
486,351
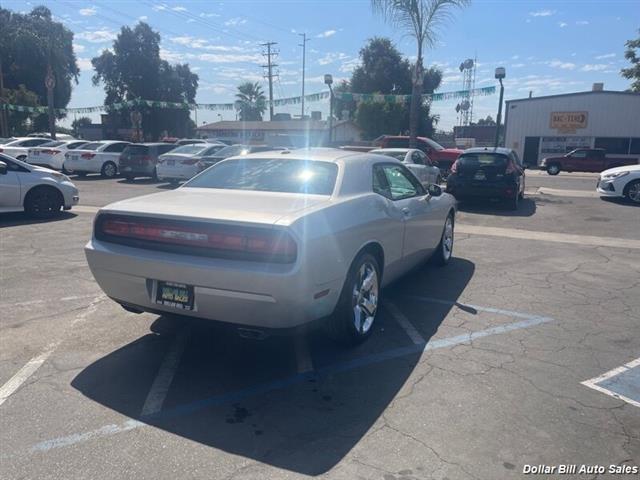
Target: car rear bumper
179,172
244,293
148,170
82,165
482,190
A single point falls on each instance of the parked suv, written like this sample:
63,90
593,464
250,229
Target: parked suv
584,160
488,173
442,157
140,159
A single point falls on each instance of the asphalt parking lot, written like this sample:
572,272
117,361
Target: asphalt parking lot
520,352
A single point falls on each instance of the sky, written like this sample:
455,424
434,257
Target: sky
547,47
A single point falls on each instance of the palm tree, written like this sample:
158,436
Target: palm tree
420,19
250,101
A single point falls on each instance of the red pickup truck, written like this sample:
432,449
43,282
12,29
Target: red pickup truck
584,160
442,157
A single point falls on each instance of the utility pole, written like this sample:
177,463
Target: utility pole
269,66
50,83
304,52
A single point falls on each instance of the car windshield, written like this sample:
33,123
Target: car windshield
397,155
270,175
189,149
231,151
435,145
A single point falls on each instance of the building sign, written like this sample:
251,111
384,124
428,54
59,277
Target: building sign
568,122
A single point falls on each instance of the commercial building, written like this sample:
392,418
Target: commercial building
287,133
537,127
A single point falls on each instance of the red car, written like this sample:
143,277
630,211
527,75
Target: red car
442,157
584,160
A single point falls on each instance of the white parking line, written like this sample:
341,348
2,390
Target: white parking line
593,382
21,376
561,192
164,377
404,322
588,240
112,429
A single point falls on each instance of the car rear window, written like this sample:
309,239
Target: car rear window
270,175
136,150
482,160
397,155
92,146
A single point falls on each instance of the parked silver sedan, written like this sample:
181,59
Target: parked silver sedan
274,240
416,160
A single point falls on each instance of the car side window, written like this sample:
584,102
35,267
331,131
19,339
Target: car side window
579,154
380,184
11,166
400,183
417,158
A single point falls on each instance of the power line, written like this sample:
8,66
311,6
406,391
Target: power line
269,66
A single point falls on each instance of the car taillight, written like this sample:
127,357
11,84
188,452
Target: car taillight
454,167
246,243
189,161
1,150
88,155
511,168
51,152
146,158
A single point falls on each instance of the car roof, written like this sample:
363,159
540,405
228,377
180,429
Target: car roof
152,144
498,150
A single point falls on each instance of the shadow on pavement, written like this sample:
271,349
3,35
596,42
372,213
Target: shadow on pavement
620,201
21,218
527,207
248,398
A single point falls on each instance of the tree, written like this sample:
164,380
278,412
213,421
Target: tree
633,55
420,19
382,69
79,123
251,101
29,43
489,121
134,70
20,122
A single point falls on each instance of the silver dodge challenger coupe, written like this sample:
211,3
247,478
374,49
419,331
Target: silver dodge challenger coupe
274,240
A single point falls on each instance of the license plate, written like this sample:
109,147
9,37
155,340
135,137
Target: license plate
74,157
480,176
36,153
176,295
171,162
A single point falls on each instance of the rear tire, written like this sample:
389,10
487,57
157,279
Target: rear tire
109,170
22,158
444,250
632,192
352,321
513,203
65,171
553,169
43,202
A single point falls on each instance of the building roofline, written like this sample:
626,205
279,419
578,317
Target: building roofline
598,92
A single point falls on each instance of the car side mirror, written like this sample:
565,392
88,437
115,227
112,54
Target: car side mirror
434,190
3,168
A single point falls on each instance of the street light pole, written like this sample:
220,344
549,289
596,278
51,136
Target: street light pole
499,74
328,80
50,83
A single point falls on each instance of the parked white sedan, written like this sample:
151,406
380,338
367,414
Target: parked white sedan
621,182
19,147
416,160
274,240
51,154
95,157
39,191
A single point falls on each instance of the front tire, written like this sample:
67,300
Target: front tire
632,192
109,170
352,321
444,250
553,169
43,202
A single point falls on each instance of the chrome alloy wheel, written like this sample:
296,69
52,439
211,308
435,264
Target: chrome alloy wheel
447,239
634,192
364,298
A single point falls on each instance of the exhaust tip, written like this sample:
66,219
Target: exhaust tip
252,333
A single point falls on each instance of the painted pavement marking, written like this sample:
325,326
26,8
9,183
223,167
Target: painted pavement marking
622,383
